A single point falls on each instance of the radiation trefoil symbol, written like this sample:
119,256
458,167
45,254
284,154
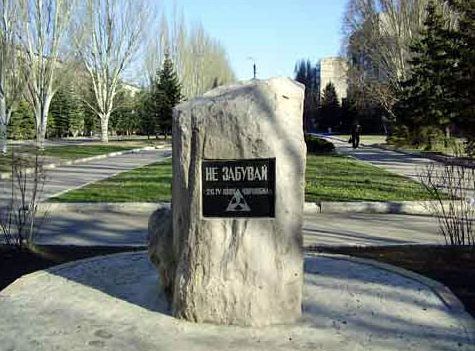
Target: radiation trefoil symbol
238,203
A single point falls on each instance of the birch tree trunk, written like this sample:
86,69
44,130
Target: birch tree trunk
3,126
41,116
109,34
45,24
11,82
104,127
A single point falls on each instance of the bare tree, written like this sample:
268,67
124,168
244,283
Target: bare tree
452,185
11,83
201,61
45,25
18,220
378,34
112,34
157,46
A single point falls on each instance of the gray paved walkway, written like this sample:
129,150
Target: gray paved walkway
114,303
366,229
65,178
127,225
396,162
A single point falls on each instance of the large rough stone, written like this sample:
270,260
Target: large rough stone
160,246
239,271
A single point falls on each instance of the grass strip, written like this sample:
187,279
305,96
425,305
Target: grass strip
72,152
151,183
341,178
328,178
52,154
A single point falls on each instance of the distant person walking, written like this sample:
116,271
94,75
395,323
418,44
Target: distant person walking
355,135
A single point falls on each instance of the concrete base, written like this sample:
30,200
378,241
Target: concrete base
114,303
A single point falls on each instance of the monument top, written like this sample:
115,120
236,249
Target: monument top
293,89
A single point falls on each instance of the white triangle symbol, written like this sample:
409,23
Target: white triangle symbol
238,203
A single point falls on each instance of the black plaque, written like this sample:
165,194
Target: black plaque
238,188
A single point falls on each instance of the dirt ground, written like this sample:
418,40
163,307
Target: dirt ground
15,263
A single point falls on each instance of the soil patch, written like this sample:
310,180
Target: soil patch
15,263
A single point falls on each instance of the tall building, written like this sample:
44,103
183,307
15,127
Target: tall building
334,70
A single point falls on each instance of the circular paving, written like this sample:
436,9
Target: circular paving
114,303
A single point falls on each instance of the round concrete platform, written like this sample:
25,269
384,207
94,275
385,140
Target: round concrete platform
113,303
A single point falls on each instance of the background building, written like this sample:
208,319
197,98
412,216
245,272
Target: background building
334,70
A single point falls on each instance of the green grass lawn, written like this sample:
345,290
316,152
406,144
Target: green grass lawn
147,184
457,148
53,154
454,148
340,178
71,152
329,178
5,163
60,153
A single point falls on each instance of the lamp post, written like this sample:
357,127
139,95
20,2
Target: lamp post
253,66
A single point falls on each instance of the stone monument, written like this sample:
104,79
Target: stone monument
232,252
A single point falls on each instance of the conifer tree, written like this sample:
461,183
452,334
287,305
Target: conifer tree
306,73
91,122
22,123
124,118
166,93
146,113
67,111
330,109
427,101
76,113
58,125
463,76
